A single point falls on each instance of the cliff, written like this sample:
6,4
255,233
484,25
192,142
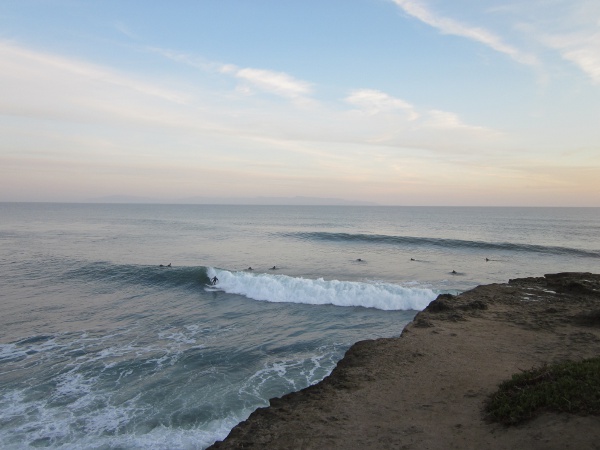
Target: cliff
427,388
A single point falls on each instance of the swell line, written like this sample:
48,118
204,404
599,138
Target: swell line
442,243
141,275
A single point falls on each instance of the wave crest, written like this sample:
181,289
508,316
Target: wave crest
283,288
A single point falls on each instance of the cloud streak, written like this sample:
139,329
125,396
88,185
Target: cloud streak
277,83
19,56
446,25
372,102
405,123
580,48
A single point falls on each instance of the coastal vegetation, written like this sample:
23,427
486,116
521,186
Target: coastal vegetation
571,387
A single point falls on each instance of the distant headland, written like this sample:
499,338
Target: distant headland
275,201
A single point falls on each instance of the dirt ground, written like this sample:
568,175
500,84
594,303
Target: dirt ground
426,389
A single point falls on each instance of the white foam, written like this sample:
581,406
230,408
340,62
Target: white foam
280,376
78,425
283,288
166,438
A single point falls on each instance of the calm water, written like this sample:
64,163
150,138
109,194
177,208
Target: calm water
100,347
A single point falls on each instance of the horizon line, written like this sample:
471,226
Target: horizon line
348,203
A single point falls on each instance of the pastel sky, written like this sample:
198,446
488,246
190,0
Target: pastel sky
399,102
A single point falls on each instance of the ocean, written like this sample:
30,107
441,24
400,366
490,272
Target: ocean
112,336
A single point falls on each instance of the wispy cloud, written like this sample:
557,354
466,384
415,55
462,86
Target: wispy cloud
125,30
372,101
278,83
187,59
22,58
569,27
581,48
408,121
446,25
269,81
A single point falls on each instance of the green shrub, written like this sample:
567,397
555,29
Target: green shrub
572,387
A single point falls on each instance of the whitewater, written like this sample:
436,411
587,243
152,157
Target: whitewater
282,288
103,345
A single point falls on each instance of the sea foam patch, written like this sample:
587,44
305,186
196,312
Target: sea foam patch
283,288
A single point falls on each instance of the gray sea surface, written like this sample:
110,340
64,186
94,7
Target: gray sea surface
103,345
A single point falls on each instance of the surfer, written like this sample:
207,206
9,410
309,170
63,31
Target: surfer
359,260
453,272
214,280
487,259
412,259
249,268
274,268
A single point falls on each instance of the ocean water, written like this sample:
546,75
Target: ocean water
101,347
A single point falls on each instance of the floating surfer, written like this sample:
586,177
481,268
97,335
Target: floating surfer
274,268
168,265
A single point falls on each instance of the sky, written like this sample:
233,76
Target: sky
397,102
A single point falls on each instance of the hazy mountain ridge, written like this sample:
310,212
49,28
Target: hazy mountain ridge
312,201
